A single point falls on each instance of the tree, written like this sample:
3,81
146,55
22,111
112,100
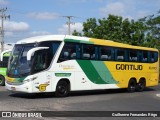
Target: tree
143,32
89,28
152,31
75,33
109,28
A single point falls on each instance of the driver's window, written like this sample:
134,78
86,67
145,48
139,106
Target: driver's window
41,61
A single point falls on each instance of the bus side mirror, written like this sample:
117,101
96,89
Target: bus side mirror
32,51
2,53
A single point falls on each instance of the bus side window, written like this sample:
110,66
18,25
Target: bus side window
151,57
88,52
105,53
133,55
120,56
145,56
140,57
155,56
68,52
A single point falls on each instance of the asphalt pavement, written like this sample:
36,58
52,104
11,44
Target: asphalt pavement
95,101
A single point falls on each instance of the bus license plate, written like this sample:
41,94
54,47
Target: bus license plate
13,88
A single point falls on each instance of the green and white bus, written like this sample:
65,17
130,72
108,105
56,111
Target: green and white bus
62,63
3,65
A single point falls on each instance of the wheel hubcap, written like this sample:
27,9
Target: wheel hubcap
141,85
62,89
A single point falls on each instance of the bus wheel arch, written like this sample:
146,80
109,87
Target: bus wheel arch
2,80
62,88
132,85
141,84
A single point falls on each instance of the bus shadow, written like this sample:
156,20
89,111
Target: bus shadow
33,95
107,91
77,93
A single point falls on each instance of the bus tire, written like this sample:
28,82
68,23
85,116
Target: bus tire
62,89
141,85
131,85
2,80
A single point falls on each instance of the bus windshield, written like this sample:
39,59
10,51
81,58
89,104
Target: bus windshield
18,64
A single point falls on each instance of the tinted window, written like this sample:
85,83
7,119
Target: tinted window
153,57
105,53
120,55
144,56
41,61
43,58
69,51
88,52
133,55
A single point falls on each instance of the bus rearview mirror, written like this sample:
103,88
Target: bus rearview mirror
33,50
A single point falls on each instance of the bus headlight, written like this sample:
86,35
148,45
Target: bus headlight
30,79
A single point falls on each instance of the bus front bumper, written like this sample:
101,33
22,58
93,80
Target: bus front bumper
20,88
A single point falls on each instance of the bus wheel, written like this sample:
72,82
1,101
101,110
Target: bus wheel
62,89
132,85
2,81
141,85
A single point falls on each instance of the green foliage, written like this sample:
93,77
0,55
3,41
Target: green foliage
75,33
152,31
143,32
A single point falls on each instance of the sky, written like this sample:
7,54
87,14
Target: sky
42,17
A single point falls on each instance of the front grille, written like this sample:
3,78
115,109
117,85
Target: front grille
14,83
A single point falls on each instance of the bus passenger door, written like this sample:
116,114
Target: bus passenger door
42,79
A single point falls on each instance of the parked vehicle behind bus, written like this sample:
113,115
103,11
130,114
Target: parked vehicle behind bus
3,65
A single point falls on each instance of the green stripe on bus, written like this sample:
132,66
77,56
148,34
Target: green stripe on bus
97,72
19,79
103,71
78,41
90,71
62,74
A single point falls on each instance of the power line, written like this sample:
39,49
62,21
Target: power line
3,17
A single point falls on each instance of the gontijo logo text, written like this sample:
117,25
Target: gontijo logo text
128,67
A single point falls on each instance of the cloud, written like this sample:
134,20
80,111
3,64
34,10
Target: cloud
64,28
43,15
132,9
3,2
116,8
36,33
9,34
141,14
12,26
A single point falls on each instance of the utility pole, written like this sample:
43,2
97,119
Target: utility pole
69,23
3,17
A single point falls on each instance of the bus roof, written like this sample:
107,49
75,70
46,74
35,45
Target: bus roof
41,38
77,39
50,38
117,44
